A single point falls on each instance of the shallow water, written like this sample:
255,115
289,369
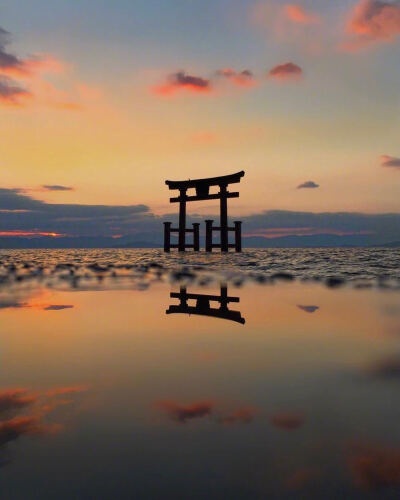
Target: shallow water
286,391
139,267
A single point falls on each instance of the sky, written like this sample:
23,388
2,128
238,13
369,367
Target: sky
101,102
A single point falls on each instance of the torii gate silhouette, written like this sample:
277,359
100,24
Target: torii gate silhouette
202,187
202,305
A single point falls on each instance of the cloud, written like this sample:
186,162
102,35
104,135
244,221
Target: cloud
243,78
9,63
12,399
286,71
298,14
371,22
183,413
390,161
308,309
308,185
21,213
287,421
12,65
374,466
182,81
56,187
29,81
57,307
12,93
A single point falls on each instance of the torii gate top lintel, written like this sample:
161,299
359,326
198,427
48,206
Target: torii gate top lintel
210,181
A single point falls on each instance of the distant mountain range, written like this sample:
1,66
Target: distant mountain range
311,241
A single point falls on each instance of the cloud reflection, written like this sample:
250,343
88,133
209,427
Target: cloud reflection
183,413
287,421
38,405
374,466
308,309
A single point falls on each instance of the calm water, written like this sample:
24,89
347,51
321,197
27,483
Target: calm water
111,388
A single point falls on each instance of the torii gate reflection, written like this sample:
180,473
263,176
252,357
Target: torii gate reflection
202,306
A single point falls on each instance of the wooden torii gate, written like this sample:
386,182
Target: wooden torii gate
202,305
202,187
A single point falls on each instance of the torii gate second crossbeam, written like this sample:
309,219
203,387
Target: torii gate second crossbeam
202,187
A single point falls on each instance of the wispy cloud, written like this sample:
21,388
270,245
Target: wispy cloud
298,14
23,81
56,187
244,78
12,93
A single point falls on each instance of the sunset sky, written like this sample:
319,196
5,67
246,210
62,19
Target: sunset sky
112,98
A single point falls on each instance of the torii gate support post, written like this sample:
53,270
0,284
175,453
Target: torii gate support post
167,236
238,235
196,236
209,230
224,218
182,220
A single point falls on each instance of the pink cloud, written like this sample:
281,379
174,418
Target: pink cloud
181,81
390,161
35,90
286,72
298,14
371,22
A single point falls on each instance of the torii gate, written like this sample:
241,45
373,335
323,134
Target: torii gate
202,187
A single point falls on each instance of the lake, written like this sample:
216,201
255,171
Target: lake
131,374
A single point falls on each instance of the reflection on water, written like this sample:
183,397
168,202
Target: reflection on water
104,396
202,305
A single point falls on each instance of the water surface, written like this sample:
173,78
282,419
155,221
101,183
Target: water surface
104,395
